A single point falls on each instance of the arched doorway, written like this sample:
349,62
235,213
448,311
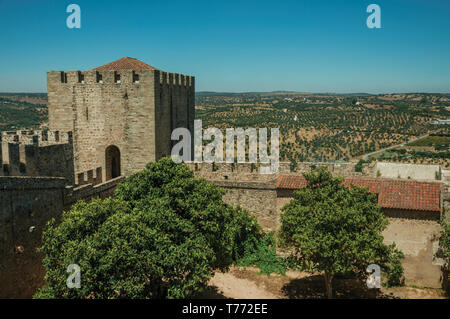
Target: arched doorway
112,156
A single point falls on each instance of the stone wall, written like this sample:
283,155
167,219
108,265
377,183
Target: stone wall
89,191
235,172
37,153
250,171
346,169
419,241
407,171
26,205
259,198
174,108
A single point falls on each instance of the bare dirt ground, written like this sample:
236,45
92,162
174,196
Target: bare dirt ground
246,283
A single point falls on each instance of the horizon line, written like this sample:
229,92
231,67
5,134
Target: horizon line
276,91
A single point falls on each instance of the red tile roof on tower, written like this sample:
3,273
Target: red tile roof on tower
125,63
410,195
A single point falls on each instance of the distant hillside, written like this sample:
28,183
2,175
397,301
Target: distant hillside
212,93
22,110
332,127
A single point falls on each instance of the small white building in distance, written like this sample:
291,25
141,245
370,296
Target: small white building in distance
439,121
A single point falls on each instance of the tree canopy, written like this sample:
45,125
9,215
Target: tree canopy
335,229
161,236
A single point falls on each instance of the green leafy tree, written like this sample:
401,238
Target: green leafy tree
359,165
161,236
335,229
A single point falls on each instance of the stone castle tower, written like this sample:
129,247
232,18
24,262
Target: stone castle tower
121,114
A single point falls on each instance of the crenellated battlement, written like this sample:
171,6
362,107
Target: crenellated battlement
91,176
175,79
251,171
235,171
284,167
37,137
36,153
119,77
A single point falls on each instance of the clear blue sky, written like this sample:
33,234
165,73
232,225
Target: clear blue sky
310,46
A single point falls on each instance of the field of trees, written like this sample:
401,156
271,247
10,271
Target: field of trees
328,127
313,127
19,111
430,150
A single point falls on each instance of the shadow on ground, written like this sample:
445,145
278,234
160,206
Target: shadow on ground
313,287
211,292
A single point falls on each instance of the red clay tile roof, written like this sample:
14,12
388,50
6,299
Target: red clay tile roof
291,182
125,63
395,194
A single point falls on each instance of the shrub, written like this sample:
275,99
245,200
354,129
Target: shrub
262,254
359,165
394,269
